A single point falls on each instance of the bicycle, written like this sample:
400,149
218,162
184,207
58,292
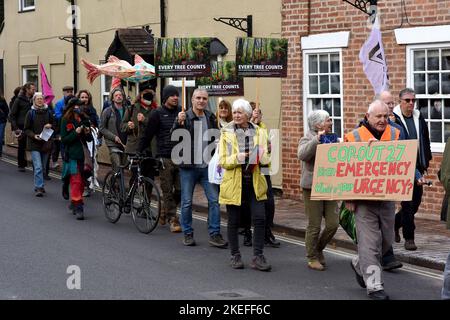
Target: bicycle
142,199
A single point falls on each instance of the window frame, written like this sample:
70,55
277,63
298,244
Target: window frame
25,75
23,8
436,147
307,96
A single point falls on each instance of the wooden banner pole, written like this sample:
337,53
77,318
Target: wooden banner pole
183,92
258,84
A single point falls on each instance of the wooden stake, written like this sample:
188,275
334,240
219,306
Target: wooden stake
183,91
258,83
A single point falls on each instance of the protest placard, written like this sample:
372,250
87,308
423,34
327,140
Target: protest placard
223,80
261,57
182,57
362,171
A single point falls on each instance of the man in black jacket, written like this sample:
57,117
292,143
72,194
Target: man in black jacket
17,115
415,127
160,124
194,126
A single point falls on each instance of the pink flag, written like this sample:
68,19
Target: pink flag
374,60
46,87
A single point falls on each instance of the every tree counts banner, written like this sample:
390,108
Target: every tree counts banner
182,57
359,171
261,57
223,80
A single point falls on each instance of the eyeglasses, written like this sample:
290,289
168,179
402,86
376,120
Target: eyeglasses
409,100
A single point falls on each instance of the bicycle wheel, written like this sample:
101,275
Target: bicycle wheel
111,196
146,205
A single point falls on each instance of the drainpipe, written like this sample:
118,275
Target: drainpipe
75,47
162,7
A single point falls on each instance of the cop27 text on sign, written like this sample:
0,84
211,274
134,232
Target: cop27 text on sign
363,171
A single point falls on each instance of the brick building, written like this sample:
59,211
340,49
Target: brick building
324,71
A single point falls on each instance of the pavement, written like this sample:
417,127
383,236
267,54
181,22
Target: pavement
431,236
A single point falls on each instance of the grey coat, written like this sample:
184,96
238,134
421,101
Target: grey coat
306,152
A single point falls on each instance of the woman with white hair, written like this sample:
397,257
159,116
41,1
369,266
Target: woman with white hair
320,125
243,147
38,118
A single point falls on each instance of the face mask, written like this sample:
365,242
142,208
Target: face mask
148,96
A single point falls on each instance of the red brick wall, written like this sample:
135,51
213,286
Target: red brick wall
333,16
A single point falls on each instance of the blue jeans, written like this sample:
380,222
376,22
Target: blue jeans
188,179
2,136
39,163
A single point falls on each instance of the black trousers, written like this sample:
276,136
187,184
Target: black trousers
269,207
405,217
21,152
56,149
256,211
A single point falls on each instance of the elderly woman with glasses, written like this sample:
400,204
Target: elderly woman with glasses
243,148
320,125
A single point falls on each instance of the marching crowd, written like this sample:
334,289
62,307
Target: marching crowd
243,147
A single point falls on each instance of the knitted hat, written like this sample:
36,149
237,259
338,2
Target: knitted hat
169,91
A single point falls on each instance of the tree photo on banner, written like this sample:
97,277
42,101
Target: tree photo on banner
261,57
182,57
223,81
362,171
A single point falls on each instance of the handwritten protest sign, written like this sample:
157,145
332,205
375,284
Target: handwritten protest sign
359,171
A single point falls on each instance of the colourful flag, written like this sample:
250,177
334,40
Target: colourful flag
374,60
46,87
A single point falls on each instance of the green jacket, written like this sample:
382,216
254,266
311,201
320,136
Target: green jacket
73,147
445,176
231,187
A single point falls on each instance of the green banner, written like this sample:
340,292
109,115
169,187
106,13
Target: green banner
223,80
261,57
182,57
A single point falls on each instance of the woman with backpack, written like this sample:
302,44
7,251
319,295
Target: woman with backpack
75,133
36,120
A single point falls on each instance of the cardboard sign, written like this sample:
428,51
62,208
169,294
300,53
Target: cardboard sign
261,57
223,80
359,171
182,57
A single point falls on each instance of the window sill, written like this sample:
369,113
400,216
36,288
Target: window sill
27,10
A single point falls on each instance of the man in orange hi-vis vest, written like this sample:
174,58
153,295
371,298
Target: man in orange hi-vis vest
374,219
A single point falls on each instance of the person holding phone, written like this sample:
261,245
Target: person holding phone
241,152
320,126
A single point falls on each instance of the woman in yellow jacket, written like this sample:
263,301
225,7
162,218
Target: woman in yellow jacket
243,147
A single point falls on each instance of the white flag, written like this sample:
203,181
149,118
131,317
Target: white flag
374,60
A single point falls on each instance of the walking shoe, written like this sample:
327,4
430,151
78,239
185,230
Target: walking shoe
22,169
397,236
42,190
410,245
247,237
216,240
175,225
236,261
271,242
38,193
188,240
259,262
392,265
79,213
315,265
321,258
378,295
359,278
